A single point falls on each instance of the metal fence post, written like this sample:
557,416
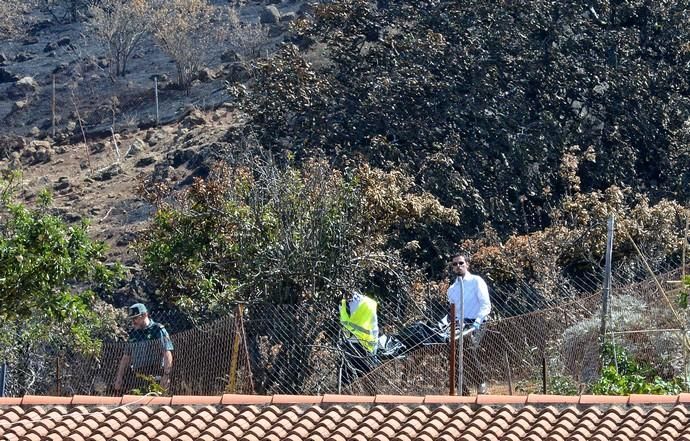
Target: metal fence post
155,88
509,374
607,280
451,373
3,378
461,343
58,385
235,349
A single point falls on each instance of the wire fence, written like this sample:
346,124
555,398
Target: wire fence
298,349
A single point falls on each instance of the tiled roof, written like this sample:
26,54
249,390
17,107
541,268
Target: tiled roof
344,418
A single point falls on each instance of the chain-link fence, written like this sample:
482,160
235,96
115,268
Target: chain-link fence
298,349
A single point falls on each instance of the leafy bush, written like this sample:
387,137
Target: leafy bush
259,231
622,375
43,260
580,346
48,273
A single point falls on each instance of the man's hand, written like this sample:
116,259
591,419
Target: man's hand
165,381
476,326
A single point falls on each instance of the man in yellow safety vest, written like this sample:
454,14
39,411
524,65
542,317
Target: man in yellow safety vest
361,328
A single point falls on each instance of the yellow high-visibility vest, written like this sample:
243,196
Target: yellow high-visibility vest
361,323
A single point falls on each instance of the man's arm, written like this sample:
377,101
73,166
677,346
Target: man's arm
167,357
124,364
167,369
484,301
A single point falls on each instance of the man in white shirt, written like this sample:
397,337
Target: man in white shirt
470,295
471,290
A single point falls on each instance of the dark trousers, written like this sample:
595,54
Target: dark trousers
474,373
358,362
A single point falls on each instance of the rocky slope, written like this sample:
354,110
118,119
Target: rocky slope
103,142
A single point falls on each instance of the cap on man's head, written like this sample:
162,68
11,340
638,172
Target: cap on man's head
136,310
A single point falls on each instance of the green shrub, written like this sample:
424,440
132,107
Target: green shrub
622,375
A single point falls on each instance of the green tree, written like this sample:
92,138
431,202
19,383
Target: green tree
48,269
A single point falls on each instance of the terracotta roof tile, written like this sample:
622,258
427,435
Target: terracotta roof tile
334,398
288,418
95,400
296,399
602,399
500,399
33,400
162,437
194,400
636,399
235,399
551,399
300,431
449,399
145,400
684,398
426,437
397,399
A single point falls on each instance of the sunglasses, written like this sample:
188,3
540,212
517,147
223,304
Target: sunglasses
458,263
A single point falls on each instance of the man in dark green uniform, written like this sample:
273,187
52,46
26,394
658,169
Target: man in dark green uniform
148,353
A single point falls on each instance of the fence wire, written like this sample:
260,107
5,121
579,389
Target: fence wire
297,349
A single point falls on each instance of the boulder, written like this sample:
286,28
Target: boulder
206,74
24,56
277,30
7,76
236,72
107,173
62,183
22,88
50,47
137,146
230,56
288,17
194,118
145,161
38,152
269,15
19,105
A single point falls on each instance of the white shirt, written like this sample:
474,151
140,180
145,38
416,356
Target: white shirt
476,297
